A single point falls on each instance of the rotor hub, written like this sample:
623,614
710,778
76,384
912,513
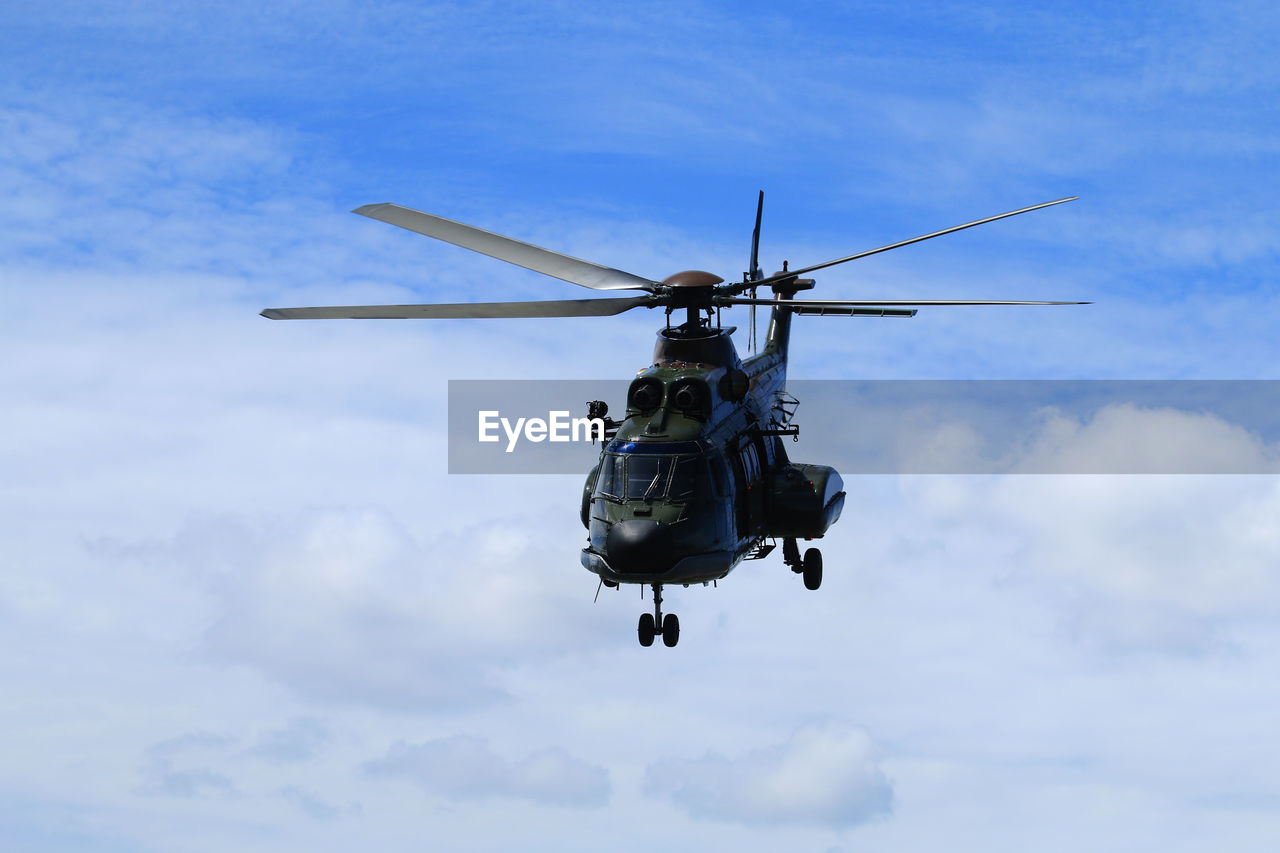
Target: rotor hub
692,278
691,289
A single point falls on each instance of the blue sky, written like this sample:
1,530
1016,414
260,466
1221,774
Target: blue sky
243,604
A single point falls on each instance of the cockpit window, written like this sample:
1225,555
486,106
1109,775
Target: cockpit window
647,476
635,476
684,477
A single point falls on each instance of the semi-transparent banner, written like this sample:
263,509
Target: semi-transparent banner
913,426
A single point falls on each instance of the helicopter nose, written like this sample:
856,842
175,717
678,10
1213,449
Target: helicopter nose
640,545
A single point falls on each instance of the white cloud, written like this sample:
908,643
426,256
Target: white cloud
823,775
466,768
905,431
300,740
1181,564
178,768
1125,438
314,807
343,606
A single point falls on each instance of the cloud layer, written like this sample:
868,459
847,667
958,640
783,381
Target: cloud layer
466,768
244,607
822,775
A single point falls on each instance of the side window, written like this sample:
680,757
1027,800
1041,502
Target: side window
750,463
612,479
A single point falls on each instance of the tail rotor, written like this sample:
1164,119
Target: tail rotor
754,273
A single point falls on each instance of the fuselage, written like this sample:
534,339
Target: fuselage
682,491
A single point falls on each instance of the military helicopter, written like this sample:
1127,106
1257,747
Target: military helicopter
695,478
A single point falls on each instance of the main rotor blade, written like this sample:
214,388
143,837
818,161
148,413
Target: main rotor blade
549,308
525,255
879,303
841,311
900,244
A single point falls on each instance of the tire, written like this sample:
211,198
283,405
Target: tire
812,568
646,629
670,630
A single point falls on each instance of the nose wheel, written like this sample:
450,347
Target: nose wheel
656,625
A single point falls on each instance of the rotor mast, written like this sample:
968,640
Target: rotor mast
694,291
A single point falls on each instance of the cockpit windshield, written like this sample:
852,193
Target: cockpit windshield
635,476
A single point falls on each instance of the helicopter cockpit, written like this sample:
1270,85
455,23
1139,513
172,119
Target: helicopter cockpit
650,472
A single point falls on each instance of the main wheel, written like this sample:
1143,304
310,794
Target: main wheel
670,630
646,629
812,568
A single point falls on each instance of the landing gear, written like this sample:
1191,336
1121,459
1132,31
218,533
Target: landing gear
812,568
646,629
655,624
670,629
791,555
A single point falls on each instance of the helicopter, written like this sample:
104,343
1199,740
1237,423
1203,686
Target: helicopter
695,478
